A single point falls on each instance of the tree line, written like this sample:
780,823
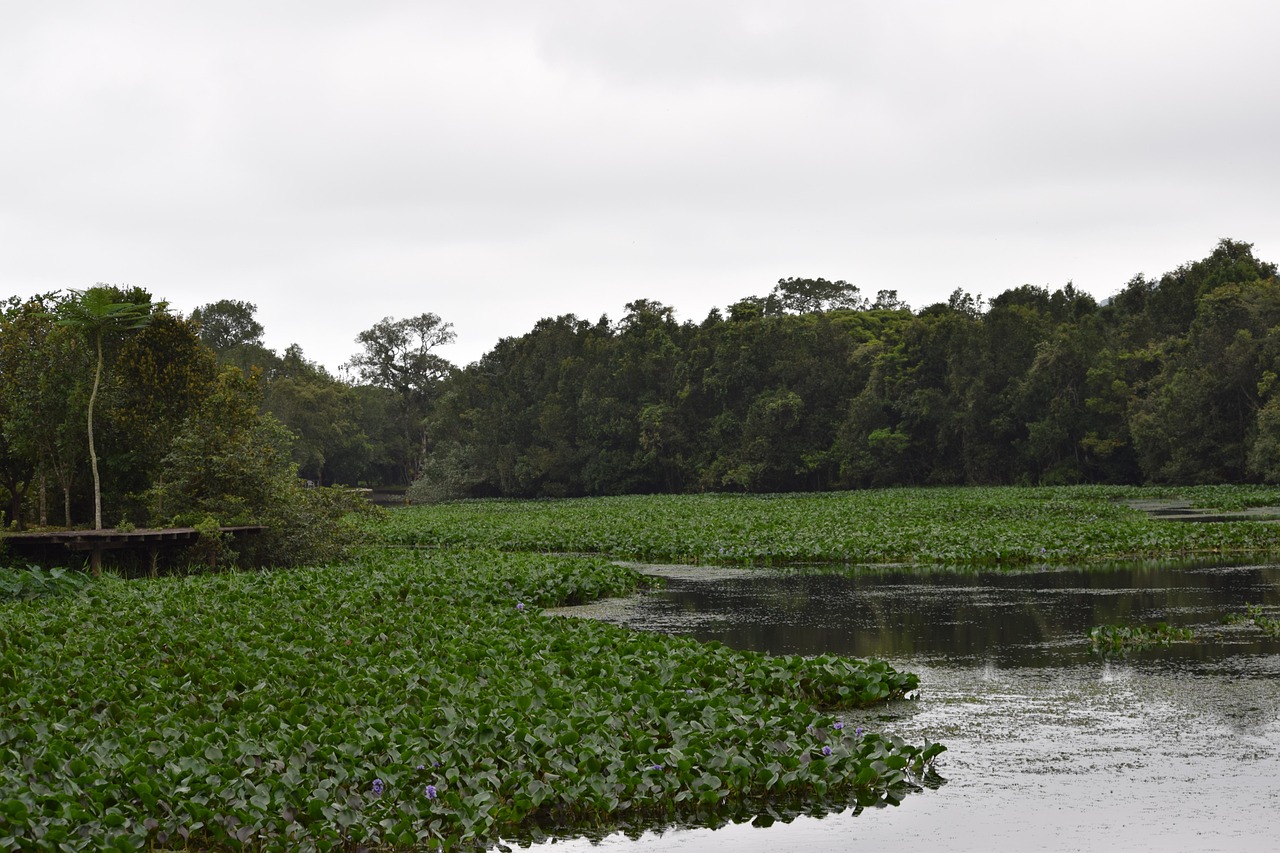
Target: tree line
812,386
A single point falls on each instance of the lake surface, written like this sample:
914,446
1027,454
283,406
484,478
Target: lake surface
1050,747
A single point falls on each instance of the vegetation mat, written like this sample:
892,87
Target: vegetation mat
962,525
406,700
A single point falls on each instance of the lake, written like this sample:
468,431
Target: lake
1050,746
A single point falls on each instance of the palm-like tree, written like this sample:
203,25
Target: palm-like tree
97,312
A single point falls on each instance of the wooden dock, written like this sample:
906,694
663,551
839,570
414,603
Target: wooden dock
151,540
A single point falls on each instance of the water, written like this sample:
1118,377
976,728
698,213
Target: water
1050,747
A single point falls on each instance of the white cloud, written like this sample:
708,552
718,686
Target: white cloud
497,162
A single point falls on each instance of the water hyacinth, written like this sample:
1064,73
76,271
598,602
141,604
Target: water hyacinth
564,690
826,750
988,526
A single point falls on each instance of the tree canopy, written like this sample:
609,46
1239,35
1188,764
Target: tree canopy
811,386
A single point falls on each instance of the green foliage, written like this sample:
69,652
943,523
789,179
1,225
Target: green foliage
813,295
231,463
213,545
399,356
1255,616
228,460
162,375
228,324
309,526
23,583
329,445
982,526
1122,639
809,389
100,313
312,709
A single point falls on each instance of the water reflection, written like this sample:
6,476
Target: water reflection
1050,746
1011,619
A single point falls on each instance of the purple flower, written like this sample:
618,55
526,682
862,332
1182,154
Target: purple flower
838,726
657,767
377,787
519,605
422,767
430,792
857,732
826,750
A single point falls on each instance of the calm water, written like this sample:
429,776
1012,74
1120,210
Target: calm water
1050,746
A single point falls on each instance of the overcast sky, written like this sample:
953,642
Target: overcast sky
499,162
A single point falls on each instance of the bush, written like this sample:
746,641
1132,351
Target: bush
230,465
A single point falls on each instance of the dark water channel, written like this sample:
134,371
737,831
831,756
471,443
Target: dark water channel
1050,747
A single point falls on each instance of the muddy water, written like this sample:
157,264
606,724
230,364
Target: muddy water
1050,746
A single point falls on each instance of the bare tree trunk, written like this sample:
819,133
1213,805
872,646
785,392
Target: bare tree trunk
93,452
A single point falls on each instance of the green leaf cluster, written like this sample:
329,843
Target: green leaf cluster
311,709
1257,617
27,582
813,388
1006,526
1121,639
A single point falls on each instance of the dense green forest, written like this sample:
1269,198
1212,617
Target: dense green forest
813,386
816,387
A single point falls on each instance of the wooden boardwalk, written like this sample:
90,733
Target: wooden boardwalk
151,540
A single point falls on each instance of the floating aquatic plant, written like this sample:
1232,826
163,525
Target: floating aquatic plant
1256,617
971,526
1119,639
399,701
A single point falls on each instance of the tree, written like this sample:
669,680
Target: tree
162,374
228,323
399,355
230,464
229,328
813,295
1197,421
20,343
329,444
98,313
228,461
42,400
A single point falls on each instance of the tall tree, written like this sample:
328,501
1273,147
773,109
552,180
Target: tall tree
814,295
228,323
42,395
230,329
100,313
329,444
399,355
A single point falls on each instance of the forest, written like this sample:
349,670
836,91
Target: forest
815,386
112,403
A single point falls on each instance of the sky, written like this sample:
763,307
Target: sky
335,163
